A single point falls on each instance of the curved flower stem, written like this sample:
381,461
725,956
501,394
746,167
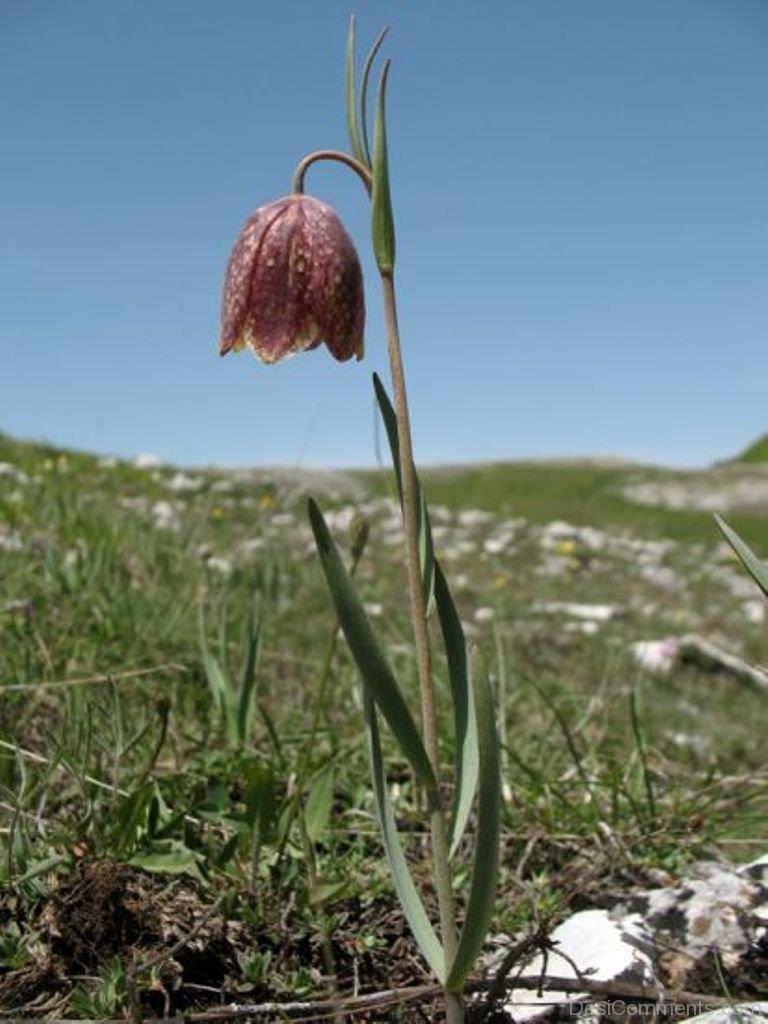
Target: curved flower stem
330,154
440,862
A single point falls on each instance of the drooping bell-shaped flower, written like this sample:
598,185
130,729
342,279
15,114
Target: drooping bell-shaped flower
294,280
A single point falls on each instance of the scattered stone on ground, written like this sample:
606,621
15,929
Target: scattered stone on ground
739,1013
592,943
660,656
716,490
665,938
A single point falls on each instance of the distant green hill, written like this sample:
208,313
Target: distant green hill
756,452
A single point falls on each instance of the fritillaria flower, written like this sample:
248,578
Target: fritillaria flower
293,281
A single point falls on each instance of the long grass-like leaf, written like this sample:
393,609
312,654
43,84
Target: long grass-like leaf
364,92
248,681
218,684
637,731
382,220
377,676
426,545
757,570
485,869
413,908
435,586
466,753
351,94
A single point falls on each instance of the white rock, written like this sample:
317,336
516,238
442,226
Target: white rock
11,542
12,471
247,547
604,947
739,1013
754,611
164,515
220,565
440,514
587,627
594,612
146,460
484,615
661,576
495,545
181,483
373,609
472,517
338,519
282,519
712,908
556,532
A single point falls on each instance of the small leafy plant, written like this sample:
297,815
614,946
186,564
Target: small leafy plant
294,281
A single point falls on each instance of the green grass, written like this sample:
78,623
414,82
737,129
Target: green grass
586,495
756,452
125,749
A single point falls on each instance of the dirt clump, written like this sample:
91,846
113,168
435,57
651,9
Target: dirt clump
104,909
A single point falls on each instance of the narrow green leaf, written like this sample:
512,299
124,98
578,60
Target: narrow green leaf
260,799
351,94
407,893
757,569
466,753
426,545
364,92
317,810
382,220
482,891
227,851
372,665
248,679
218,684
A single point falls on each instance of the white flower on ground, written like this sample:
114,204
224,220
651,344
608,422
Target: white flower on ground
656,655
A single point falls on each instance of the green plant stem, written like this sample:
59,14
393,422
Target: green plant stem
418,610
334,155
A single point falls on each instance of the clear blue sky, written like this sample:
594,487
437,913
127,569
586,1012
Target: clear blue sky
581,191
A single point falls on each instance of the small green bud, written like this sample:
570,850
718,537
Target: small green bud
382,219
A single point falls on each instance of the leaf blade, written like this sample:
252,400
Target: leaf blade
466,751
248,681
486,863
364,92
317,810
757,569
372,665
351,94
411,902
426,544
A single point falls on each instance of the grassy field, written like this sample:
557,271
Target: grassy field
182,823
